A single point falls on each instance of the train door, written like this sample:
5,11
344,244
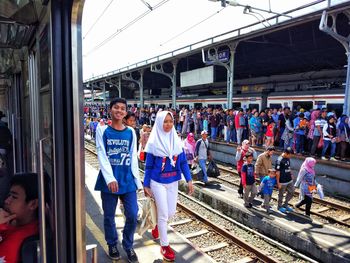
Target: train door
337,107
306,105
43,98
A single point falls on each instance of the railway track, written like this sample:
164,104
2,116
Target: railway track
331,211
215,240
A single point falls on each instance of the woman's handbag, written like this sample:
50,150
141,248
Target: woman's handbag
320,191
149,216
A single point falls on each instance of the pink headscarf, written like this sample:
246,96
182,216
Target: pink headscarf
308,166
190,141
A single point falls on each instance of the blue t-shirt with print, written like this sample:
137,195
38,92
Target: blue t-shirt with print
118,148
269,183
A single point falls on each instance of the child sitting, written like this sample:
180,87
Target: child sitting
248,180
266,187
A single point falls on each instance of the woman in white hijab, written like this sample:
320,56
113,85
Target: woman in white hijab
165,162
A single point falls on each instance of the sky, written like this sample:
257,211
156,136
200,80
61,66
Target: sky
118,33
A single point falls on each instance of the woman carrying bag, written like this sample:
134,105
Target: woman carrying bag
190,147
165,162
308,184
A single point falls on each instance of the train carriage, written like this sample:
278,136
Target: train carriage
40,94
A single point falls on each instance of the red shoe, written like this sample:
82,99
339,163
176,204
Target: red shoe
155,232
168,253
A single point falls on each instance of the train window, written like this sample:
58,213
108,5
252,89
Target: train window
254,106
337,107
275,105
236,105
306,105
198,105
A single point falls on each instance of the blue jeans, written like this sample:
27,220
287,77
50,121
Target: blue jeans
326,144
109,204
231,135
213,132
203,167
299,143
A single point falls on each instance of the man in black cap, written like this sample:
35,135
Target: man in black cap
284,180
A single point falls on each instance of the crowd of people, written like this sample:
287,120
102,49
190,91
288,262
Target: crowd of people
318,133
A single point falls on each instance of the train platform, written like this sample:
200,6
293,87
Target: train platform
323,242
333,175
147,249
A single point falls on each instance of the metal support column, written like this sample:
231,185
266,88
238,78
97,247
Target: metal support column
345,41
158,68
115,84
214,58
230,75
92,93
119,87
104,95
139,82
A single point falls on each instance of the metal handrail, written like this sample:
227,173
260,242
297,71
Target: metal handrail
93,248
42,203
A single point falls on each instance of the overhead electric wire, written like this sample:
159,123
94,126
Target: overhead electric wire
147,4
125,27
188,29
92,26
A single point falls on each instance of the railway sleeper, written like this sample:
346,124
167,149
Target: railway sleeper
214,247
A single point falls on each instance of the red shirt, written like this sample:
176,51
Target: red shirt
269,131
11,238
240,161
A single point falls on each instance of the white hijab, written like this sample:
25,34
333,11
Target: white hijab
161,143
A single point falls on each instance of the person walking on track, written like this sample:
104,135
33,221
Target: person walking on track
308,185
284,180
165,162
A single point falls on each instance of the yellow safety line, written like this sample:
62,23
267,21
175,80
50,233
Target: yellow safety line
96,232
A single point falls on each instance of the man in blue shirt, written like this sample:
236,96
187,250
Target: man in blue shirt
118,178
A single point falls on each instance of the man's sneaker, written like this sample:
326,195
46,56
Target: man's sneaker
323,158
168,253
282,209
333,159
132,257
113,252
289,209
155,232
